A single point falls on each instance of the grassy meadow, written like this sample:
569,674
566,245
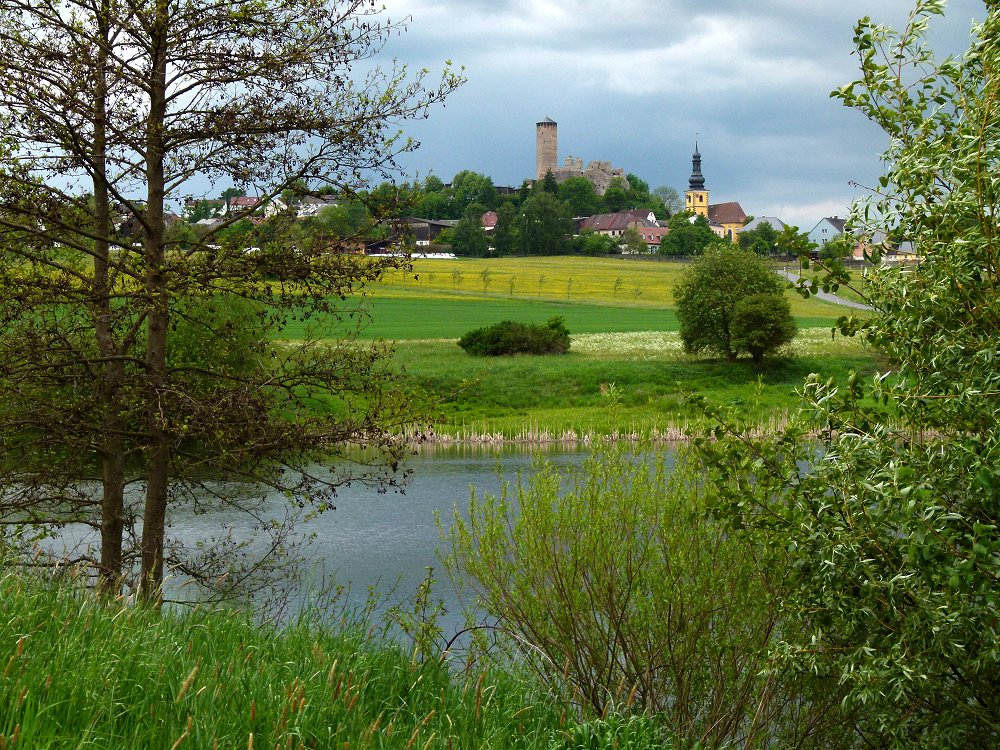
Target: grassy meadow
625,348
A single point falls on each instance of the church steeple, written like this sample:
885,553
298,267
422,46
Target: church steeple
697,179
696,196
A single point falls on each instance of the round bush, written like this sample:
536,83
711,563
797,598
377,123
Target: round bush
510,337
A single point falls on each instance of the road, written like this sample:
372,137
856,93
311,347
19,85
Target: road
826,296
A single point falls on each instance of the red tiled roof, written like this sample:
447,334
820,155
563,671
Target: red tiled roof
243,201
618,222
727,213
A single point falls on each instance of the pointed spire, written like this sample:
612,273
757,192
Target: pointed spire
697,180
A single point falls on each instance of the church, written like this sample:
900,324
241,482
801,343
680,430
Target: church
725,219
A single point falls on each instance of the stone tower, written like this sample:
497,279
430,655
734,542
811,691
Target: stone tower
696,196
546,147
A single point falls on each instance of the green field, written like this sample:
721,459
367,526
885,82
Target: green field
625,348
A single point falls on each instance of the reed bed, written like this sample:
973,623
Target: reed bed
533,435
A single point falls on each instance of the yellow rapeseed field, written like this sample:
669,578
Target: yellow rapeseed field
609,281
598,280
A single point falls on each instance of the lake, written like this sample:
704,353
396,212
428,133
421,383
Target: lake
382,541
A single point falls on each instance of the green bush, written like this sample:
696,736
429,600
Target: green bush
616,584
762,324
509,337
709,292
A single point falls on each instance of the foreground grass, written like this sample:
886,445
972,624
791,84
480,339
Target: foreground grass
646,373
79,673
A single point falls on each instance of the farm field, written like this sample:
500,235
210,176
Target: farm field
625,348
618,282
443,299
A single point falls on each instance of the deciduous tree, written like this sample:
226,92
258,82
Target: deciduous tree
709,293
111,109
688,235
892,530
468,236
547,225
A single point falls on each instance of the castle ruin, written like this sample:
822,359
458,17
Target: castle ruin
598,173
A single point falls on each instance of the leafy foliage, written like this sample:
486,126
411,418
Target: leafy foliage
616,585
762,324
547,225
105,302
762,239
688,235
468,237
589,242
709,293
509,337
893,530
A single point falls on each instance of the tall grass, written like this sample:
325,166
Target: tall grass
78,673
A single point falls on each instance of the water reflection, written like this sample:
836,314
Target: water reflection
381,541
384,540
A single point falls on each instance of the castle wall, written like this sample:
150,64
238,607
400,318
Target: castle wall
600,173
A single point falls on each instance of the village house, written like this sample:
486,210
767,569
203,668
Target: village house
653,236
826,229
614,225
311,205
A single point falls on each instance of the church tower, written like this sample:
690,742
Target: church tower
696,196
546,147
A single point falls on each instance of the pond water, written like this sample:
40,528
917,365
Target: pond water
390,540
380,541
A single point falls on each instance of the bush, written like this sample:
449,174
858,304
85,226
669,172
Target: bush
623,593
509,337
762,324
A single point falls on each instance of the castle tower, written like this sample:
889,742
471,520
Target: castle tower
696,196
546,147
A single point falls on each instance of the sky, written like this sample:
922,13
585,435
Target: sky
635,82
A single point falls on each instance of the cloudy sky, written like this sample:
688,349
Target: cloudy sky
633,82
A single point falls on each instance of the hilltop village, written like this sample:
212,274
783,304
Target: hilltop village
726,220
572,207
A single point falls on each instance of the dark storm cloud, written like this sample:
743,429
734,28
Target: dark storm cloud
633,81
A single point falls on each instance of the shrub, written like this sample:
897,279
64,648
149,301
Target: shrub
509,337
622,592
762,324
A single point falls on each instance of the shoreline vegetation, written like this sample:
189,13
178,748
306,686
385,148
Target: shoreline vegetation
645,375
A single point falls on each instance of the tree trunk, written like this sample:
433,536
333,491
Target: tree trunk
112,445
158,457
